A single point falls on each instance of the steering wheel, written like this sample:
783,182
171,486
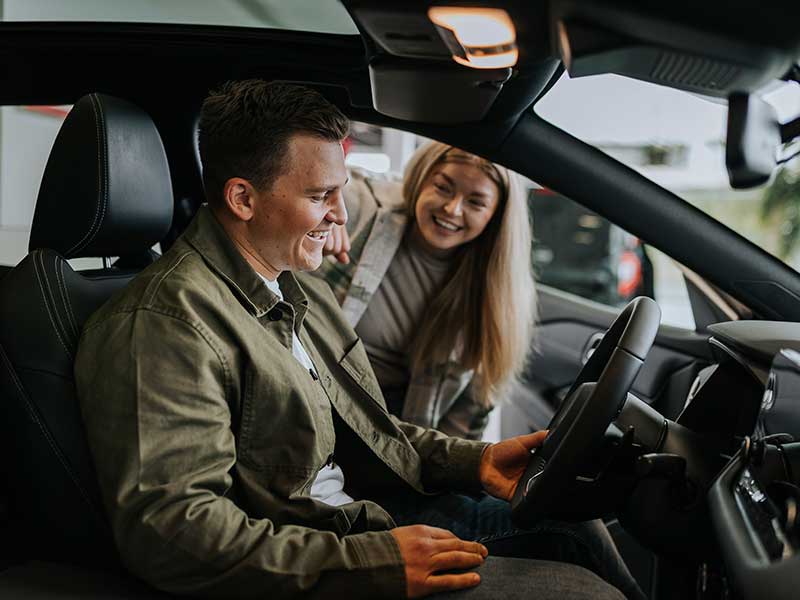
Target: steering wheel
592,403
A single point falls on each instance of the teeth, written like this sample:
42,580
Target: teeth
446,225
318,235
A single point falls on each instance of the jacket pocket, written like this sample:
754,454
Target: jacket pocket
276,427
355,363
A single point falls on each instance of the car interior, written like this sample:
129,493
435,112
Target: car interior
687,442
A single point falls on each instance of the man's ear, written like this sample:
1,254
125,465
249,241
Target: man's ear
238,196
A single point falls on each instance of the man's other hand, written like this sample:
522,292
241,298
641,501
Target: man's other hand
502,464
427,551
338,244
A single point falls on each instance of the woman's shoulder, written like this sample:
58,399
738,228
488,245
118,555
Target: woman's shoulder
378,191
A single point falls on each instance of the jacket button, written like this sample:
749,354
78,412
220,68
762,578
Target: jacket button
276,314
375,436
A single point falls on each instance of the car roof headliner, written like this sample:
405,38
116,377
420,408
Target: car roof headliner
154,65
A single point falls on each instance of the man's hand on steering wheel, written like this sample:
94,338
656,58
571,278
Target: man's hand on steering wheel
503,464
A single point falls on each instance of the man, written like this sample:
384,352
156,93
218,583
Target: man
235,422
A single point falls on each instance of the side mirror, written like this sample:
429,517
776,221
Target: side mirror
754,135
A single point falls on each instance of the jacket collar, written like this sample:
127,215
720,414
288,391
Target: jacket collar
210,240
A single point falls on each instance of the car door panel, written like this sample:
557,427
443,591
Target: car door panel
569,326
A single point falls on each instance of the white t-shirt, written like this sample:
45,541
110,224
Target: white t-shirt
328,487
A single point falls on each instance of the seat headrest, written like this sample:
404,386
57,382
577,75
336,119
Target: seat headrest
106,189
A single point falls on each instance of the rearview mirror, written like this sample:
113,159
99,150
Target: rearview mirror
753,138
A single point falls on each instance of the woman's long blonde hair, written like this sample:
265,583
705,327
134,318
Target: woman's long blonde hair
485,312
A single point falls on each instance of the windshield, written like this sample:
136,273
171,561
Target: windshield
677,139
327,16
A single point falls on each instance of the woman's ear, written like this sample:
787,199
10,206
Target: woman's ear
238,197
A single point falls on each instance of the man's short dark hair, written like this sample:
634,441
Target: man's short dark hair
245,127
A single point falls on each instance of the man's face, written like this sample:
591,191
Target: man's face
293,218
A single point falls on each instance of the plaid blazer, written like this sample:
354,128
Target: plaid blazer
438,396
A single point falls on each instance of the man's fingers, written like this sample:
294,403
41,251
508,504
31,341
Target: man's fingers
438,533
533,440
448,561
343,258
443,583
456,544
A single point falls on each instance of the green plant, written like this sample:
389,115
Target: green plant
781,202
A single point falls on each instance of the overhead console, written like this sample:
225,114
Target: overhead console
412,72
705,48
656,44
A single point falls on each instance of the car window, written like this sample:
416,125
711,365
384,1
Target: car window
26,136
329,16
577,251
677,139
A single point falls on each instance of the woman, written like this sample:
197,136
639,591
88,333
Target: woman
435,276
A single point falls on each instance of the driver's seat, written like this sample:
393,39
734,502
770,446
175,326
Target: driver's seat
105,192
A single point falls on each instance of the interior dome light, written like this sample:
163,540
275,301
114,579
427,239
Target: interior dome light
481,38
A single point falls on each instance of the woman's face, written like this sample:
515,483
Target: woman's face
455,204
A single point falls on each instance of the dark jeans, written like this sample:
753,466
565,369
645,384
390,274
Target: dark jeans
488,520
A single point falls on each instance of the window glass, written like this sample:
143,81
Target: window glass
575,250
578,251
328,16
677,139
26,136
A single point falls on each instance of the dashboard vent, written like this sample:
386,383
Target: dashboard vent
692,71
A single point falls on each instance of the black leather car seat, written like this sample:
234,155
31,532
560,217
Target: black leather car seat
105,192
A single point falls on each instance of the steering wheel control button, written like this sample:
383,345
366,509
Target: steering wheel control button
536,467
529,485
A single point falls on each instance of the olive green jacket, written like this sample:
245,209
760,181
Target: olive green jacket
439,396
207,433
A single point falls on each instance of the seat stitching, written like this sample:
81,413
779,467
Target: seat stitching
59,267
104,138
101,172
17,382
45,432
52,297
47,307
80,244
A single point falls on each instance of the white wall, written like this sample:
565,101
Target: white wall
25,141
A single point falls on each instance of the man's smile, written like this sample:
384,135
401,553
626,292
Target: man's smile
319,234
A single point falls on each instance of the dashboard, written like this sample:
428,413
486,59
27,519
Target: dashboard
754,502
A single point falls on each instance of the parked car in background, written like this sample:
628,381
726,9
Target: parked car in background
578,251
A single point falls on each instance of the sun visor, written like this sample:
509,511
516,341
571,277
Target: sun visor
435,92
